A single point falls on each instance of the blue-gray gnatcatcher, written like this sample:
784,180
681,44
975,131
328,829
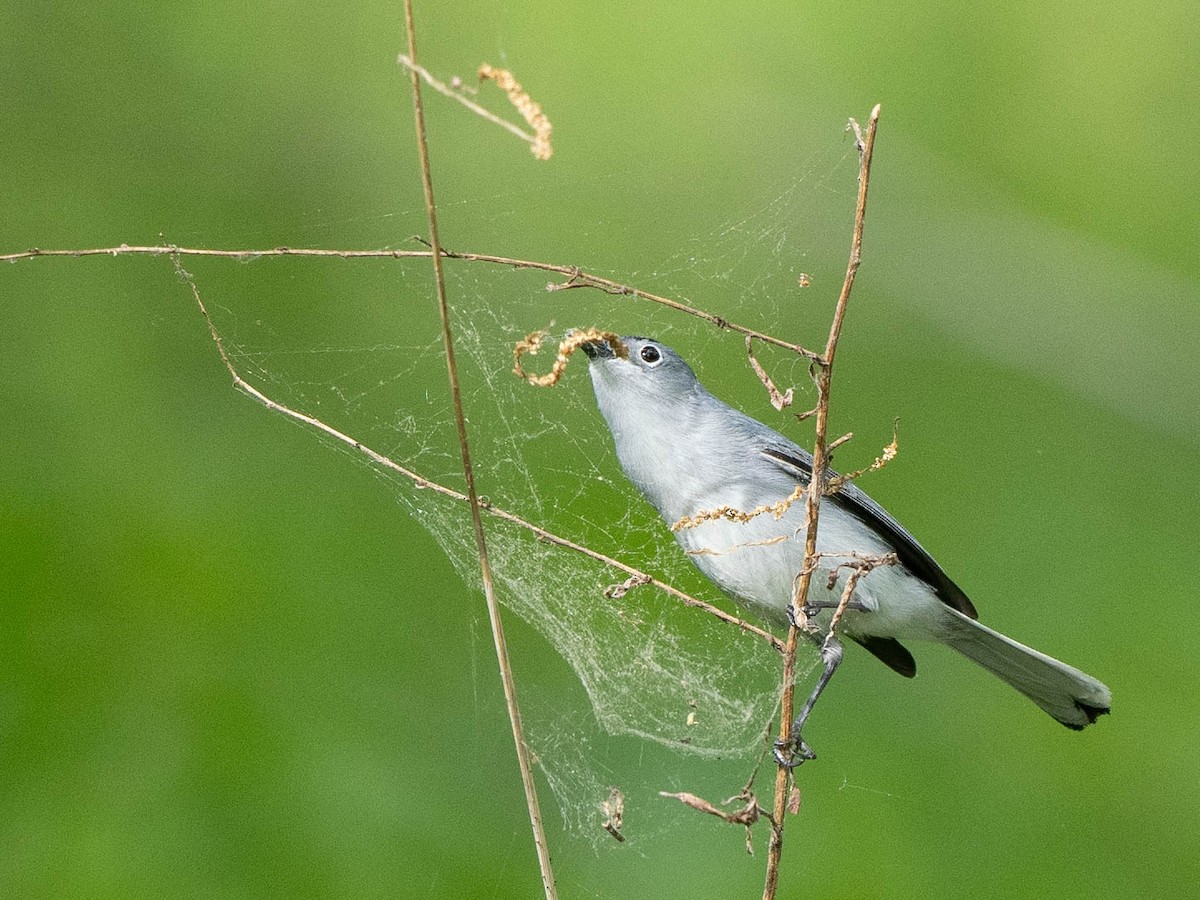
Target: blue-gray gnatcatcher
688,452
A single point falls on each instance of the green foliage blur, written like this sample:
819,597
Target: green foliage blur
231,666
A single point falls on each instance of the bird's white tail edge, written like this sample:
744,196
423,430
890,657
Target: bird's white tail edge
1070,696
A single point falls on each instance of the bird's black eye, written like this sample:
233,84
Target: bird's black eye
651,355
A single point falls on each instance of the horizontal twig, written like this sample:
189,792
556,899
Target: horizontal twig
577,277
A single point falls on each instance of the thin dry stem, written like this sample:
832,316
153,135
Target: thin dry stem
778,400
532,343
579,279
576,277
539,140
489,591
889,453
824,366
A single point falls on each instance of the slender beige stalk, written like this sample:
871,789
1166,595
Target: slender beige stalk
783,776
489,591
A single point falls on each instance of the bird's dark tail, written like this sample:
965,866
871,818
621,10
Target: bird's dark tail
1070,696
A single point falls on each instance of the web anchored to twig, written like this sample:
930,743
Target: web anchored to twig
747,809
635,577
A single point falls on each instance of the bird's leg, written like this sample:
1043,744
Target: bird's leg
792,751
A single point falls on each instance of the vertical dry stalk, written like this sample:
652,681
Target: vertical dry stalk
506,675
866,144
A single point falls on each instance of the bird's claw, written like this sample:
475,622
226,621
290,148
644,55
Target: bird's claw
809,610
813,608
792,752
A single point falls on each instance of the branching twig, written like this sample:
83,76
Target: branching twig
747,815
580,279
889,453
540,139
824,364
778,400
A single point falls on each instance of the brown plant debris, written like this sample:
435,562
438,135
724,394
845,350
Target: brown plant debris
614,812
532,343
617,591
530,111
793,804
859,568
747,815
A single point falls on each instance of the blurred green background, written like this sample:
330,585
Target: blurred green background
231,665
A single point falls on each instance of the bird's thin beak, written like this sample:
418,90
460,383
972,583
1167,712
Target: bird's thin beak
597,350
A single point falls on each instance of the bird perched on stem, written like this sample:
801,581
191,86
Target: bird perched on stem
723,480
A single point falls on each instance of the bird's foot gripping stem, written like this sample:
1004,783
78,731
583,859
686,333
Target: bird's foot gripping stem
792,750
813,607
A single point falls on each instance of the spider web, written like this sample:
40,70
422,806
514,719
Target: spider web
673,678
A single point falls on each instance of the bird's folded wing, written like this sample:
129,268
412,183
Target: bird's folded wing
798,463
